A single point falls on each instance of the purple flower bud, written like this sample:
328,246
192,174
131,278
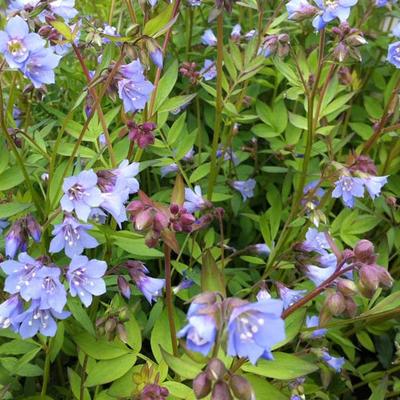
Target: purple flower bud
221,392
124,287
16,239
364,251
201,386
300,9
369,277
157,57
216,370
153,391
241,388
347,287
336,303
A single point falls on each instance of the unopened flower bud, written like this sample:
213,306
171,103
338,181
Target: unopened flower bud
351,307
201,386
124,287
347,287
144,220
221,392
364,251
122,333
110,325
336,303
160,222
347,254
385,279
216,369
174,208
187,219
369,277
391,201
241,388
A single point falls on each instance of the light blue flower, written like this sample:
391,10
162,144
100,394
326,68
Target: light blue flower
194,200
81,194
235,33
17,44
63,8
157,57
394,54
289,296
334,362
348,188
85,278
396,30
300,9
316,241
208,38
331,9
209,71
71,236
312,322
254,328
318,274
374,184
9,310
52,294
167,169
150,287
246,188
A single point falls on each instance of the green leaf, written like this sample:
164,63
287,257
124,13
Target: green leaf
109,370
387,304
265,390
336,104
57,342
212,279
365,340
10,178
100,349
185,368
156,24
166,84
9,209
179,390
134,334
174,103
80,314
132,244
264,131
200,172
64,29
284,367
75,382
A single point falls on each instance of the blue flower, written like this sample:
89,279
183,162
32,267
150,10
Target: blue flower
318,274
334,362
312,322
16,239
19,5
63,8
167,169
209,38
22,276
235,33
299,9
150,287
331,9
263,294
254,328
383,3
261,249
109,31
374,184
209,71
194,3
157,57
81,194
396,30
134,90
394,54
194,200
316,241
289,296
246,188
201,329
39,68
348,188
52,294
85,278
16,43
228,155
9,310
3,225
250,34
35,320
71,236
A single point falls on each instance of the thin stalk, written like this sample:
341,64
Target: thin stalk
46,369
131,11
218,106
111,13
83,378
169,299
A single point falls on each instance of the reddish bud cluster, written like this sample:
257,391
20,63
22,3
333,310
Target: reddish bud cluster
142,134
188,69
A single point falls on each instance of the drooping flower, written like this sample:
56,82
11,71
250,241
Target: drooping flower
316,241
150,287
300,9
254,328
374,184
16,43
71,236
208,38
319,274
194,200
228,154
63,8
289,296
263,294
35,320
81,194
235,33
348,188
22,276
194,3
260,249
134,89
167,169
246,188
331,9
157,57
394,54
334,362
9,310
85,278
396,30
209,71
250,34
312,322
52,294
201,330
16,239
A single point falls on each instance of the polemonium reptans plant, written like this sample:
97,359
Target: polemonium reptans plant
199,199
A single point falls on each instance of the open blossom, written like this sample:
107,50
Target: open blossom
209,71
35,320
167,169
85,278
194,200
313,322
334,362
316,241
63,8
254,328
9,310
235,34
394,54
52,294
374,184
300,9
246,188
208,38
134,89
319,274
71,236
17,43
109,31
81,194
150,287
331,9
348,188
289,296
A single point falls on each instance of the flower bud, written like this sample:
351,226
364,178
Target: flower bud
144,220
369,277
160,222
174,209
122,333
201,386
241,388
366,292
336,303
364,251
221,392
347,287
124,287
385,279
110,325
216,369
351,307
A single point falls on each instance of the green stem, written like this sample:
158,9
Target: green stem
46,370
169,299
218,106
